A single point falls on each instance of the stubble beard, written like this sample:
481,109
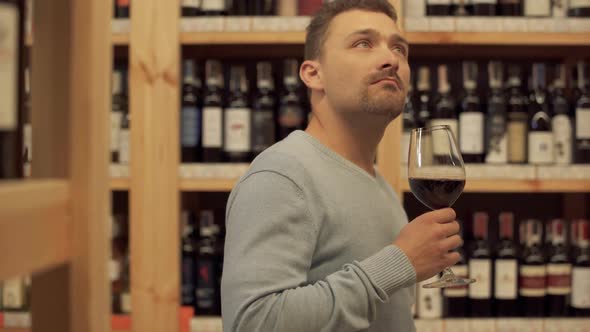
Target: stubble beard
390,105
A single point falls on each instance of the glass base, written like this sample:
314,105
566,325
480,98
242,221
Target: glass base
449,281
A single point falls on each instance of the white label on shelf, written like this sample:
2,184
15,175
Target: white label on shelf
438,23
417,24
116,118
471,132
405,146
532,281
540,147
429,301
212,127
509,325
579,4
442,147
124,146
114,269
514,24
581,287
506,282
559,278
460,271
191,3
17,319
583,123
562,139
237,130
13,293
126,302
482,325
9,57
481,271
240,24
212,5
456,325
537,8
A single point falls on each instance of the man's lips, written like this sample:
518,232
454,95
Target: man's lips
389,80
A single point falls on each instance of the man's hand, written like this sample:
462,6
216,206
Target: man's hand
428,240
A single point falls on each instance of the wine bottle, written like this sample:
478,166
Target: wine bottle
496,121
423,103
506,269
409,123
540,139
461,8
27,128
122,8
239,7
561,121
207,289
238,117
11,91
537,8
517,118
484,7
533,272
445,107
429,301
580,301
456,297
471,119
189,271
125,132
582,143
212,131
190,127
263,7
291,113
126,291
438,7
308,7
480,268
214,7
117,110
510,7
579,8
263,113
191,8
559,271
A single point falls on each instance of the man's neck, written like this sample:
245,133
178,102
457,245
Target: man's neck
354,137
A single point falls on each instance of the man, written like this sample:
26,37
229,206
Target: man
316,238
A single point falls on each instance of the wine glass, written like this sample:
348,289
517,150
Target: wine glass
437,178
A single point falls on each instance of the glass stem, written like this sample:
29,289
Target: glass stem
448,274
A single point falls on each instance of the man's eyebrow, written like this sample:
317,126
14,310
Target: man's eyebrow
396,37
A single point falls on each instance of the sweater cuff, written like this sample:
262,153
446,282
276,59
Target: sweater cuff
389,269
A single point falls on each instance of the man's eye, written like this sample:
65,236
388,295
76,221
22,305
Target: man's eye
363,44
400,49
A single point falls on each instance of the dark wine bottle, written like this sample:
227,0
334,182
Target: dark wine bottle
445,112
533,272
190,8
409,123
237,144
212,131
561,122
207,287
496,119
510,7
11,93
471,118
579,8
580,301
559,271
239,8
122,8
118,109
263,113
291,113
582,142
190,126
423,102
263,7
484,7
506,269
456,298
517,118
480,268
189,255
308,7
125,132
540,139
438,7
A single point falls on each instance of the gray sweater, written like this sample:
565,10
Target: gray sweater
309,246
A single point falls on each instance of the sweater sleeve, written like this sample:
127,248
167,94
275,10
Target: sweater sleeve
270,241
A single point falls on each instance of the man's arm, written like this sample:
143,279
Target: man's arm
271,237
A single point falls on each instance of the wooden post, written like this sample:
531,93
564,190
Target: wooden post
154,200
71,68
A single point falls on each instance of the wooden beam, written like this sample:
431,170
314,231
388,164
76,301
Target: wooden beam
154,201
34,226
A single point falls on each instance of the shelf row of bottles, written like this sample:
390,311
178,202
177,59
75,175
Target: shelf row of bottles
506,121
528,8
543,271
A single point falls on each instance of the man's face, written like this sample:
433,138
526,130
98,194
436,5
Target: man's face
364,64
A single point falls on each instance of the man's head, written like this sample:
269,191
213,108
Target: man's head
356,58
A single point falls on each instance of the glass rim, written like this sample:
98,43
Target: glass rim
433,128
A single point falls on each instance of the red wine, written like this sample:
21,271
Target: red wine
437,193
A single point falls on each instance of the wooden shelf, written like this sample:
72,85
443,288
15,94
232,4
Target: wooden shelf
212,185
521,186
119,184
238,38
499,38
120,39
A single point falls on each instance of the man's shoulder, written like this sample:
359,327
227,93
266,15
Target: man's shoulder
278,159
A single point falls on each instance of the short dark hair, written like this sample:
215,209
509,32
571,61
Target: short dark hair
318,27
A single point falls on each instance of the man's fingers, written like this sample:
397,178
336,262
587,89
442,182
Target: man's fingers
451,243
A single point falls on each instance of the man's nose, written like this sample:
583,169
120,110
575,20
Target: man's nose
389,59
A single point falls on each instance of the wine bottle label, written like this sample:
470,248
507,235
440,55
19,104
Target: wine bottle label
9,45
581,287
237,130
538,8
583,123
441,148
116,118
497,142
405,146
191,3
429,301
263,130
460,271
114,269
124,137
190,127
481,271
559,279
213,5
438,2
290,116
506,282
540,147
574,4
205,291
517,141
212,127
126,302
471,131
13,293
562,139
532,281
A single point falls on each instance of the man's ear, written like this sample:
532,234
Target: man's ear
309,72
